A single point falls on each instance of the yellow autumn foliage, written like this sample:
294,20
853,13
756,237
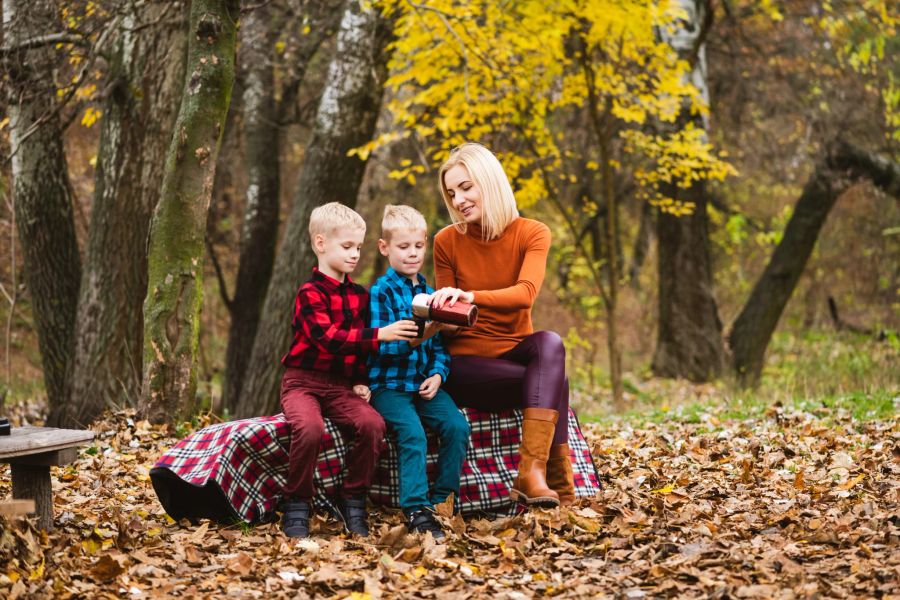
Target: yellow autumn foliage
508,73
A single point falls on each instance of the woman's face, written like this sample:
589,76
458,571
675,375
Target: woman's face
464,193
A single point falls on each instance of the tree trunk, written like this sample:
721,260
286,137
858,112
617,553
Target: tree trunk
146,73
752,330
346,119
320,21
260,227
262,116
689,340
176,247
641,245
612,259
41,191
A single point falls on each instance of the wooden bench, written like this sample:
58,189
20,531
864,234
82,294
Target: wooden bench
30,452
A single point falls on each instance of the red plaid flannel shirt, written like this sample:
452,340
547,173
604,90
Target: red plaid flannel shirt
330,333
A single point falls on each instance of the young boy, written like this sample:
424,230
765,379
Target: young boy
406,377
326,371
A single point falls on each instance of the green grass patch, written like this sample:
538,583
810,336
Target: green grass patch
825,373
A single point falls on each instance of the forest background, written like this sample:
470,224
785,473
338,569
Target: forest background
721,181
709,170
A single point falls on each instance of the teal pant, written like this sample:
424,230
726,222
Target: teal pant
404,413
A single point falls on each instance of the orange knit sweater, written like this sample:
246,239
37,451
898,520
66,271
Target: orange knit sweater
506,276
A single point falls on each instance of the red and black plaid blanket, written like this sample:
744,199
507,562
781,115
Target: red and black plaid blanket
236,470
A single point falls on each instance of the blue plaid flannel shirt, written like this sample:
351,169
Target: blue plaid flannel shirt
397,366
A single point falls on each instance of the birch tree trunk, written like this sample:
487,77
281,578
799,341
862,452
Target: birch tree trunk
346,118
843,166
176,247
41,190
261,118
259,231
146,74
689,338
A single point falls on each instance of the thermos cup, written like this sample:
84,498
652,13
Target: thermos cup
461,313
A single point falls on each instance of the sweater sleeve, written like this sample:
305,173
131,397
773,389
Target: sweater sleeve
531,275
444,271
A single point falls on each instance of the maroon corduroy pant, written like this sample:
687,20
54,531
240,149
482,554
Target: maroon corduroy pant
307,396
531,375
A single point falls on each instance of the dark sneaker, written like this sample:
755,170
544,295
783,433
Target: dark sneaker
422,520
352,511
295,520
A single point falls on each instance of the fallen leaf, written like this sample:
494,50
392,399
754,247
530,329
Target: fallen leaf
107,568
851,482
242,564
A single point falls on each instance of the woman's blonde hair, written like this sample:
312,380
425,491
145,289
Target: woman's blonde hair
498,204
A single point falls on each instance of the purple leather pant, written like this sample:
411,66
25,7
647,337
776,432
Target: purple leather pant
531,375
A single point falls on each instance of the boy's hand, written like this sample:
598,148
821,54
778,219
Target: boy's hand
405,329
362,391
430,387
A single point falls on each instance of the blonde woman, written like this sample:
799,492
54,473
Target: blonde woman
493,257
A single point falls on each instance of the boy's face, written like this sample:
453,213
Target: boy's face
338,251
405,251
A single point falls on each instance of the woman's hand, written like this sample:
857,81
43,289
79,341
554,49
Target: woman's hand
430,387
449,296
404,329
362,391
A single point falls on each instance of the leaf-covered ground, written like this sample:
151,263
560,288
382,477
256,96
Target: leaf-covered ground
789,505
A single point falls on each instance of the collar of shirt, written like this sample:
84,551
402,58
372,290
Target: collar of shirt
329,280
402,282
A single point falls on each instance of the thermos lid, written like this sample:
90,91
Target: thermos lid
421,305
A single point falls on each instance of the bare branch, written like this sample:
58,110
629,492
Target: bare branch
63,37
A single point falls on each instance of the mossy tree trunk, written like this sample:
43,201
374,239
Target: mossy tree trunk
146,75
689,338
842,166
176,246
346,118
41,190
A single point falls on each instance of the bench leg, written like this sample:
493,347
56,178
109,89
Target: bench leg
33,482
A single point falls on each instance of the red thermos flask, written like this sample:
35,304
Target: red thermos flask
461,313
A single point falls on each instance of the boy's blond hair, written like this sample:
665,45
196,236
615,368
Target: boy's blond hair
330,218
400,216
498,204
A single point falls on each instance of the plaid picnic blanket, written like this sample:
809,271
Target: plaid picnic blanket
236,470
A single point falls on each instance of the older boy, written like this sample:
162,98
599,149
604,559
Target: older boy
406,377
326,371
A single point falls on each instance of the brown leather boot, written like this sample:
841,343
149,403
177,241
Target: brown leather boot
559,474
538,426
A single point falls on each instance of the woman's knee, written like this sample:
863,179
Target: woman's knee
550,342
